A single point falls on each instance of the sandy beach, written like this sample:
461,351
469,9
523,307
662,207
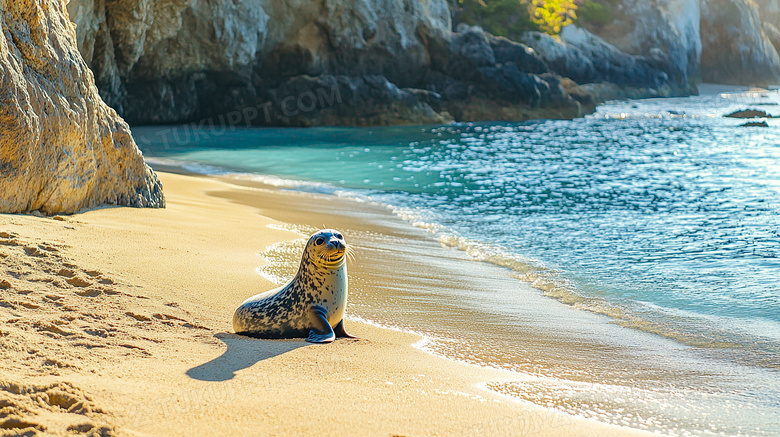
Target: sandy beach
116,321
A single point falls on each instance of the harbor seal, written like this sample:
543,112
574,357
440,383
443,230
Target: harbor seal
311,305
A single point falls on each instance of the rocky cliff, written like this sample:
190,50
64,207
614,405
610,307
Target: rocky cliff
723,41
61,148
735,46
375,62
171,60
272,62
666,32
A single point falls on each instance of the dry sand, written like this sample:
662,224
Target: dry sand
117,322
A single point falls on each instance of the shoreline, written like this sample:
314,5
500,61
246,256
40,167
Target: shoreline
538,277
576,360
590,351
128,311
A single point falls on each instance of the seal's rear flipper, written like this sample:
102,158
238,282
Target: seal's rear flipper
341,332
321,332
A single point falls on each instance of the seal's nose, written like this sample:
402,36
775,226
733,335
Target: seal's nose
337,244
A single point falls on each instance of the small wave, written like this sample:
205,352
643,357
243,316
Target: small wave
188,166
291,184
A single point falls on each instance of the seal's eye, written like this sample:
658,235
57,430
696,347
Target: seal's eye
319,241
339,236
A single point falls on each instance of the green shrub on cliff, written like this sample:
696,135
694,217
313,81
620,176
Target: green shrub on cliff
509,18
595,13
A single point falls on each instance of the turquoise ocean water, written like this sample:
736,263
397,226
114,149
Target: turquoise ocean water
661,214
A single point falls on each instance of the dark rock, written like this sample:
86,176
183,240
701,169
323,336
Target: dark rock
472,44
564,59
587,59
469,50
348,101
288,61
748,113
612,65
522,56
431,98
506,82
755,124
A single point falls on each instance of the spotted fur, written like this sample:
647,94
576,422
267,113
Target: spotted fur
319,286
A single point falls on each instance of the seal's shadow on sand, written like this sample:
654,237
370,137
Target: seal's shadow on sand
242,352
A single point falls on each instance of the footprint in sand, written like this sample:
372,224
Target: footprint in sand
167,317
68,273
90,429
89,292
58,397
48,248
50,328
16,422
139,317
34,251
8,242
78,282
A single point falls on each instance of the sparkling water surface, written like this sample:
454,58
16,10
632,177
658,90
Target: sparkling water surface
661,213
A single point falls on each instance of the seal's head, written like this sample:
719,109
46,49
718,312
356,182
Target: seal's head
327,249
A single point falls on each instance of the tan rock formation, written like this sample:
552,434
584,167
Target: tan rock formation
61,147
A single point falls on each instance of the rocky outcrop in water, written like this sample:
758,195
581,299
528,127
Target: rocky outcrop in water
481,77
749,113
61,148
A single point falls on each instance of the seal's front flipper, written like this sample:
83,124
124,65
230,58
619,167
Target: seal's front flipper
340,332
314,337
321,331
